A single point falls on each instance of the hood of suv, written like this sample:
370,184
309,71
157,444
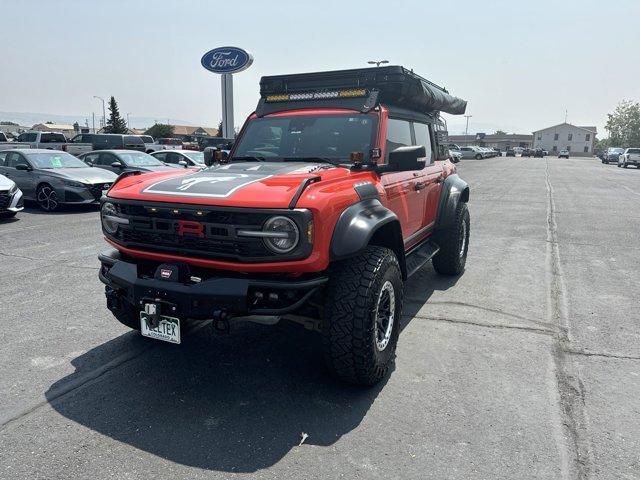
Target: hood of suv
88,175
265,184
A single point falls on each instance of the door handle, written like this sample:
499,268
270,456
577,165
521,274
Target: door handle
420,185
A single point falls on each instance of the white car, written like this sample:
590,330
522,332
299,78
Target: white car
631,156
11,201
151,145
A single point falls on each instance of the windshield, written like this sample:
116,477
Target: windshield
617,150
139,159
55,160
197,157
633,150
327,137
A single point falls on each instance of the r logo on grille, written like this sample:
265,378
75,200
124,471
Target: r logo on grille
188,227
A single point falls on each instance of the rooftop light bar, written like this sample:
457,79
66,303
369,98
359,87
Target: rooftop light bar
294,97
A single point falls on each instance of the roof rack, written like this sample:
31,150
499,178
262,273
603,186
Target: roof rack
359,89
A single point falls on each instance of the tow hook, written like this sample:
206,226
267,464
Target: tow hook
153,314
221,321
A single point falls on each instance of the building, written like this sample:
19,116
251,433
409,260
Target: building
68,130
564,136
188,133
499,140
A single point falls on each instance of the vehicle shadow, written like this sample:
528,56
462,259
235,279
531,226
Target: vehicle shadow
233,403
419,289
7,220
32,208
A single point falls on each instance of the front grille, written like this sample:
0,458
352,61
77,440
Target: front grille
96,189
5,198
161,227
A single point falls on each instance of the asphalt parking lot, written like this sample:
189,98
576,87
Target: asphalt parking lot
527,366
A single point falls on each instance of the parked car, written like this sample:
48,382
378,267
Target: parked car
151,145
3,137
497,152
510,152
563,154
538,153
46,140
217,142
631,156
471,152
184,158
87,142
545,153
11,200
293,227
120,161
611,154
455,156
54,178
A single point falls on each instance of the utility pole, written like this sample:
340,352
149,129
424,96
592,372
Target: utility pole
466,130
128,124
104,111
377,63
93,119
566,113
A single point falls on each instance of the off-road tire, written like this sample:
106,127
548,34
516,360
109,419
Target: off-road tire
350,335
454,244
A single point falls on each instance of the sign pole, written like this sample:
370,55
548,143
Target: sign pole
227,105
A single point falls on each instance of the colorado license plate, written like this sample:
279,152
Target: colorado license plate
168,329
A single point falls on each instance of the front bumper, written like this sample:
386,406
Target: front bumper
211,295
12,203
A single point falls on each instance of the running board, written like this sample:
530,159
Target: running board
421,255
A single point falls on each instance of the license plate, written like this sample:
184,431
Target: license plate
168,329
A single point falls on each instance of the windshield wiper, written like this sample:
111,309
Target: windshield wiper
248,159
332,161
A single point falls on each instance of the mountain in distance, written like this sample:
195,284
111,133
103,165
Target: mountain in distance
28,119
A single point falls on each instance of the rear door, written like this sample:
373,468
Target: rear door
432,175
404,194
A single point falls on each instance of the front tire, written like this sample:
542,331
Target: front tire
478,157
454,244
362,316
47,198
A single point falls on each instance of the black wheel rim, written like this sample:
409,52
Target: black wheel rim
47,199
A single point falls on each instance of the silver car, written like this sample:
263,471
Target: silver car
631,156
183,158
11,201
53,178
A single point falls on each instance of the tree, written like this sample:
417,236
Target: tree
6,122
623,124
219,129
115,123
160,130
500,132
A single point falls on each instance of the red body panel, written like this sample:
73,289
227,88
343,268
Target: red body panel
326,199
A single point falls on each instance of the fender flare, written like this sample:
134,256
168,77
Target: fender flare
357,225
454,191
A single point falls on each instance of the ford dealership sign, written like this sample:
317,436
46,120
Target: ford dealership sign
226,60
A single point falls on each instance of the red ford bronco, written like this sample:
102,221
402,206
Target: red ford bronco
337,189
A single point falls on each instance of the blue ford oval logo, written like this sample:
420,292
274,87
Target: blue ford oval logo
226,60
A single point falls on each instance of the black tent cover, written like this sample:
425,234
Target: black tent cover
396,86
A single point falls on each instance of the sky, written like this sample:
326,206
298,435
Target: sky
520,65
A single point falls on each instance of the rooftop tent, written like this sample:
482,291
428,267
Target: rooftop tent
360,88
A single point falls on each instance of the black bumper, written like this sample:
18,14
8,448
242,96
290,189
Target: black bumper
202,298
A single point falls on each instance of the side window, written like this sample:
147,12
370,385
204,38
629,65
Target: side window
423,137
173,158
30,137
161,156
398,135
106,159
92,157
14,159
114,141
3,159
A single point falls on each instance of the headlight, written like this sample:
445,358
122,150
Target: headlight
110,218
280,234
70,183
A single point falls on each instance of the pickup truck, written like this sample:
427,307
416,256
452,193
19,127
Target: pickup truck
5,144
151,145
331,198
46,140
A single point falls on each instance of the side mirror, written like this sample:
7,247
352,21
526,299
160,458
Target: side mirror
183,163
407,158
220,156
89,162
208,156
117,164
24,167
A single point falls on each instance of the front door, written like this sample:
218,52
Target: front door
433,175
405,192
23,178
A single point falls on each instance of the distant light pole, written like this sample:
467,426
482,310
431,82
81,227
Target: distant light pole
466,130
128,124
104,112
377,63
